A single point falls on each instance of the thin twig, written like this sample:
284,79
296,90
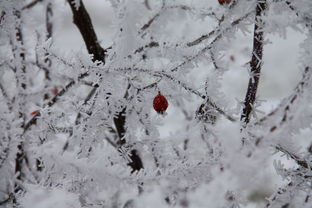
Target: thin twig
299,90
34,119
162,74
286,107
301,162
164,9
217,31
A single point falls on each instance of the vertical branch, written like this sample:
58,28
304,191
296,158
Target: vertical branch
84,24
47,60
49,27
19,55
255,64
19,52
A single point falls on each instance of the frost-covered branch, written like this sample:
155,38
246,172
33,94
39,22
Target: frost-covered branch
255,64
165,8
284,113
56,97
162,74
49,27
84,24
218,30
299,161
21,82
285,107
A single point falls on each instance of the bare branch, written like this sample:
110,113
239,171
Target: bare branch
31,4
84,24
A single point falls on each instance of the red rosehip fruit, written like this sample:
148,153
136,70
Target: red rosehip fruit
224,1
55,91
160,103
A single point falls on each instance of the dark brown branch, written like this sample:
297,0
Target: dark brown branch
299,161
213,59
49,27
91,93
6,97
7,200
120,120
255,64
148,24
149,45
19,38
208,35
84,24
164,8
31,4
19,55
49,17
217,31
201,38
2,14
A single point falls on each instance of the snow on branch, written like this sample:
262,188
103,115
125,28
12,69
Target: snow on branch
255,64
299,161
285,112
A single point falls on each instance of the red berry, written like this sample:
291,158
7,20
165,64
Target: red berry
160,103
232,58
55,91
224,1
34,113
